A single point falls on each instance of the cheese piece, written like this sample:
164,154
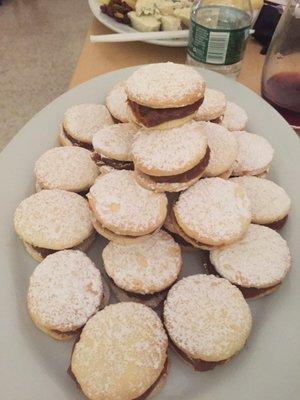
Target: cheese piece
184,14
170,23
144,23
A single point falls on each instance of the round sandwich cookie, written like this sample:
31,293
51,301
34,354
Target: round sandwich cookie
213,106
171,227
142,272
112,146
116,102
67,168
164,95
53,220
207,319
235,117
255,154
270,204
123,210
213,212
257,264
170,160
65,290
223,150
121,354
80,122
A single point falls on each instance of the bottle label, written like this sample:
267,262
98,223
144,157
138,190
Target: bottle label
216,46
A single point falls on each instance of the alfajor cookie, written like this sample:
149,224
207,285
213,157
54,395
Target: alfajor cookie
112,146
53,220
213,212
142,272
170,160
254,156
123,210
116,102
270,204
68,168
65,290
164,95
235,117
80,122
223,150
121,354
213,106
257,264
207,319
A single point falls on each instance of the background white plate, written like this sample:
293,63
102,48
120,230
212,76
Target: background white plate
33,366
110,23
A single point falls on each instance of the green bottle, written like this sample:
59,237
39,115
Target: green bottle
219,30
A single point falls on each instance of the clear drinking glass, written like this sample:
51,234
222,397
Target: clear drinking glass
281,72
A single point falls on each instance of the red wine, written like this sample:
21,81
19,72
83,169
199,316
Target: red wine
282,91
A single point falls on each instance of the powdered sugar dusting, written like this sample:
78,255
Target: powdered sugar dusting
124,207
54,219
213,106
121,352
170,151
146,267
213,211
69,168
260,259
223,148
65,290
115,141
116,102
254,156
83,120
165,84
235,117
269,202
207,317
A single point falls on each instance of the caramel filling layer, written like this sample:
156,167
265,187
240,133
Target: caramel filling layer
76,142
150,117
185,176
139,296
116,164
199,365
44,252
217,120
248,292
277,224
179,239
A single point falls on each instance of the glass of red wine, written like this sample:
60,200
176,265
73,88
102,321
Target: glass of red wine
281,72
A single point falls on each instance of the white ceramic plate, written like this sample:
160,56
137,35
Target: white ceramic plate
33,366
110,23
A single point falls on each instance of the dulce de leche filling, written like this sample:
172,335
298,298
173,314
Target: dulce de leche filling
43,251
76,142
277,224
248,292
185,176
139,296
198,364
150,117
116,164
